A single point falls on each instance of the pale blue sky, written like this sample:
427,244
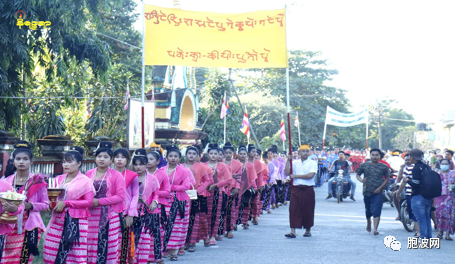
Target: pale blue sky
400,49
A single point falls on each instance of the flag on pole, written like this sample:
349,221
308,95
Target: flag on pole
296,122
282,131
224,107
127,96
245,128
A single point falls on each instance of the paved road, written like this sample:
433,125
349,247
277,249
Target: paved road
339,236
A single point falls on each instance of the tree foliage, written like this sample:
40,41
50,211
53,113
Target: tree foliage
391,123
309,96
70,37
210,101
74,58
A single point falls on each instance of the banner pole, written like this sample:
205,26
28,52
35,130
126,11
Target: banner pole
143,76
325,127
298,129
289,119
366,139
225,127
287,92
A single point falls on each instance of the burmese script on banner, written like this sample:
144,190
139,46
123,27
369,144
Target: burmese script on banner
346,120
203,39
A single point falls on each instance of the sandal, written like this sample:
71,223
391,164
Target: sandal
398,219
207,244
191,248
181,252
235,227
245,227
165,255
307,234
440,236
174,258
160,261
219,238
449,238
212,242
290,235
230,236
376,233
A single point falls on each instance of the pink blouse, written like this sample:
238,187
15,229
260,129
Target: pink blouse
180,182
224,177
149,190
40,202
165,188
116,190
132,192
78,194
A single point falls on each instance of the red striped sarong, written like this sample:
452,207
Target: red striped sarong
180,229
113,240
14,242
78,254
199,228
213,221
257,206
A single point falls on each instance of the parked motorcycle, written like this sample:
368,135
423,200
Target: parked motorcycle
340,186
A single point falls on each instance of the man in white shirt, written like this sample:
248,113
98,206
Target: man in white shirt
395,163
301,209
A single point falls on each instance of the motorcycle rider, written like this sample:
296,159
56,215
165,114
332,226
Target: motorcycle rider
395,163
341,164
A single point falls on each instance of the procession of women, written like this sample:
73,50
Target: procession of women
138,206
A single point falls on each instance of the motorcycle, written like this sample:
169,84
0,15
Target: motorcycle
340,186
407,222
387,193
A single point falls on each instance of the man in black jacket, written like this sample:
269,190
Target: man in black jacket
420,206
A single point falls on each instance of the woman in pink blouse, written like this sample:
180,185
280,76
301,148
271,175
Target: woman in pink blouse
12,209
148,220
235,167
121,159
163,193
222,179
64,244
30,225
177,208
247,182
109,202
197,229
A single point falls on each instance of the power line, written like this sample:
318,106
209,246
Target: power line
135,47
404,120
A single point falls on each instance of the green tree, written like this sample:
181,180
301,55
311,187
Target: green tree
391,121
404,138
211,100
309,96
68,38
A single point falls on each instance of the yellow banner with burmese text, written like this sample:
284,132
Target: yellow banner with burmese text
202,39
